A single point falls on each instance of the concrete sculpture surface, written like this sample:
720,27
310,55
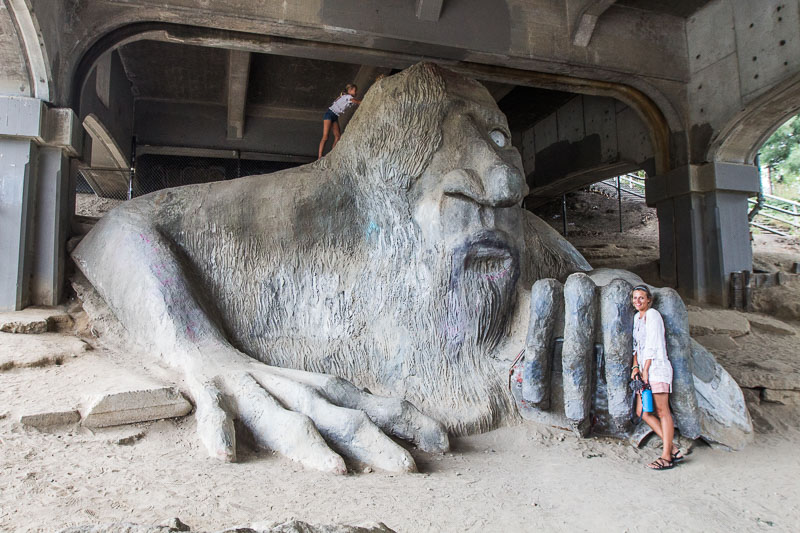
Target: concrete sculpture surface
386,289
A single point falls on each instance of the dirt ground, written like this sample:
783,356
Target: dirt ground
593,227
525,477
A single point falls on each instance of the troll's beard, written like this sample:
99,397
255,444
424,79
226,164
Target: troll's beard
480,296
456,377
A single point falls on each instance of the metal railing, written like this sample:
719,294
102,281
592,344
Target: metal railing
100,189
625,185
782,211
632,184
775,211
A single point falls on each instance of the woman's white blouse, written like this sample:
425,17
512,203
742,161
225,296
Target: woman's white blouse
649,343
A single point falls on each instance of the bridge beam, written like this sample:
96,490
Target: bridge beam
586,21
429,10
238,76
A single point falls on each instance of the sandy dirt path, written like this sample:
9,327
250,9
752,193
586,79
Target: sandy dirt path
521,478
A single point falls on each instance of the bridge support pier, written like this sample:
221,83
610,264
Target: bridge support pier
35,143
704,234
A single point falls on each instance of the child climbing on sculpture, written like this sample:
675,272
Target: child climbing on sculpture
651,364
330,121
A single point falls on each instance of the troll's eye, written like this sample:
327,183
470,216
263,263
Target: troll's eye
499,138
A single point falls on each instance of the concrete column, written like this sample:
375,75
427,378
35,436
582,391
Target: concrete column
50,226
17,179
35,145
704,234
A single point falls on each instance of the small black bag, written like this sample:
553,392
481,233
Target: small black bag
637,386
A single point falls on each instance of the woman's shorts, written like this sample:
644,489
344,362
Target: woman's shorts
659,387
330,115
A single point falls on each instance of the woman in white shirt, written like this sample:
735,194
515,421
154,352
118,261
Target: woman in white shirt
650,361
330,121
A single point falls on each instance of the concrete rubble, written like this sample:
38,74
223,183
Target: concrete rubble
786,397
725,333
717,343
130,407
764,378
50,419
34,320
77,380
717,322
770,324
26,351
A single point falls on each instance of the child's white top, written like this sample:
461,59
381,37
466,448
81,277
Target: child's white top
340,104
649,342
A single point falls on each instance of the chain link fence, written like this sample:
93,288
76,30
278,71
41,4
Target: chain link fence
100,190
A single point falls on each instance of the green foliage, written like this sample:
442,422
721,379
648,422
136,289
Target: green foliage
781,152
787,189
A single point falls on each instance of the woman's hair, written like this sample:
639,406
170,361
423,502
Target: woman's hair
644,289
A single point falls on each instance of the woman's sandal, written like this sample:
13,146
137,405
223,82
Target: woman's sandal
661,464
677,456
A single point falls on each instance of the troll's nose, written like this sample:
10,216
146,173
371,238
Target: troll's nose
504,185
488,179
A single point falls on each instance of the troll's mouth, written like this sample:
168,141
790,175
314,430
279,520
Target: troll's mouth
488,261
489,256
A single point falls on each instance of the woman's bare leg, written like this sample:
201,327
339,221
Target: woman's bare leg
667,424
655,422
326,128
649,418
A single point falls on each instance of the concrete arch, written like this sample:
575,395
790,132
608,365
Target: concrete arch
641,103
645,108
741,138
105,150
36,59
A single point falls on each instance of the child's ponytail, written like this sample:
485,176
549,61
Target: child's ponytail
347,89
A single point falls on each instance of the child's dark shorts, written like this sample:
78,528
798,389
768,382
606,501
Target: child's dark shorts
330,115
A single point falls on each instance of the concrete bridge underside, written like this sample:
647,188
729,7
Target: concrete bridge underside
686,90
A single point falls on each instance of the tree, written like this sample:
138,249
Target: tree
781,152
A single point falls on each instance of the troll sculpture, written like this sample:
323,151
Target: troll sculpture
386,289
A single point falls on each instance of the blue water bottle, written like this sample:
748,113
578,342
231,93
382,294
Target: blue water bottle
647,399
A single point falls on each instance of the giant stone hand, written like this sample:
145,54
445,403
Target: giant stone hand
306,416
401,263
577,362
